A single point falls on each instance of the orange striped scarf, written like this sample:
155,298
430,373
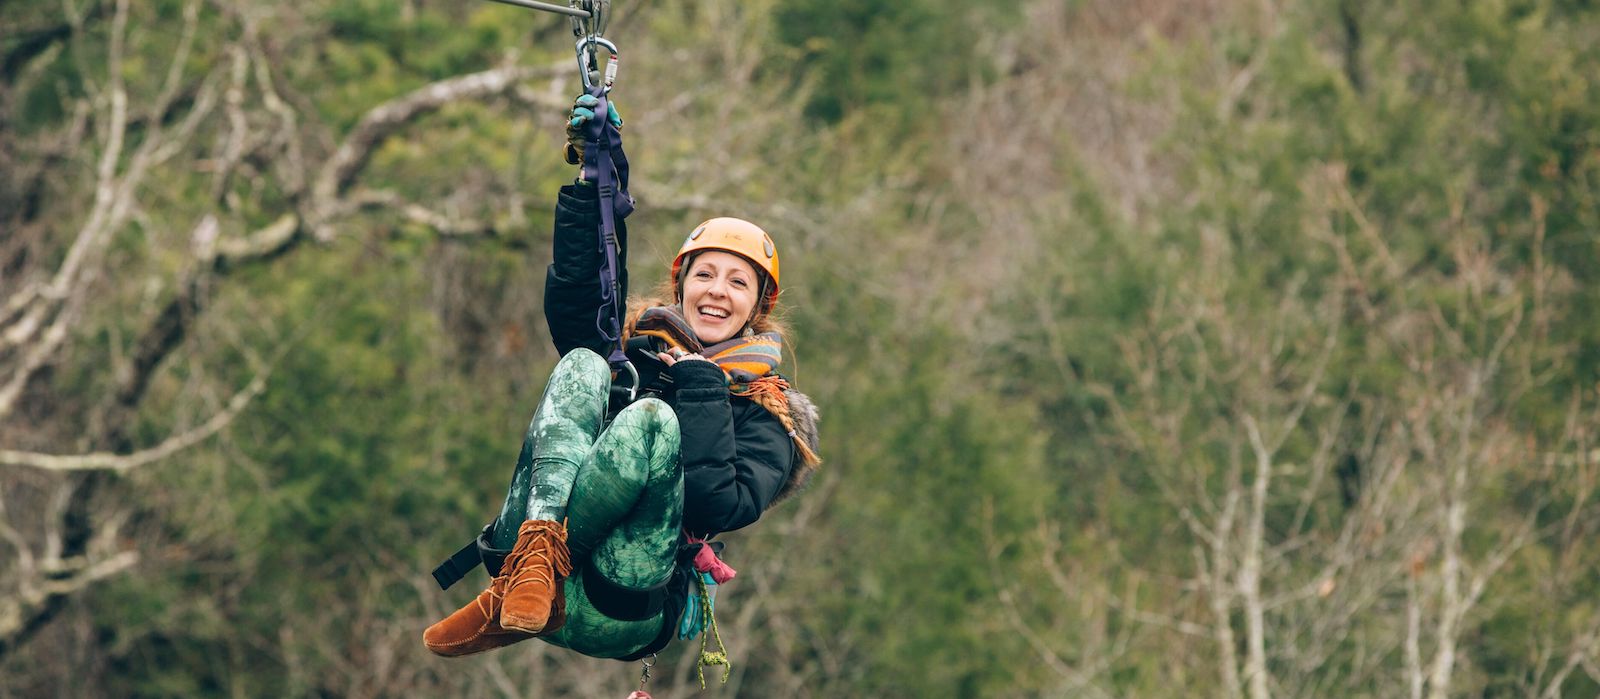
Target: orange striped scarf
750,361
744,358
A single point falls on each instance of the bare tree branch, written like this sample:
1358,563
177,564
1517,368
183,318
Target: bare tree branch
103,461
379,123
1255,668
72,576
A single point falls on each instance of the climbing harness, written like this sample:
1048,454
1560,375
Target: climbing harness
606,165
621,603
478,551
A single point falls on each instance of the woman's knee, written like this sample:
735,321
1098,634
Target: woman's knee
583,362
578,388
653,423
650,412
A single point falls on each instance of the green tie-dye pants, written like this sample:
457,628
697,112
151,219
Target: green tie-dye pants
620,490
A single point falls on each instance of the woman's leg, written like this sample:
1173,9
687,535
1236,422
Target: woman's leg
625,513
559,436
561,433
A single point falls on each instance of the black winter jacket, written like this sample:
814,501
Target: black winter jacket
736,456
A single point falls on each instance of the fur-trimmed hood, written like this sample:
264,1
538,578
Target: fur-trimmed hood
806,418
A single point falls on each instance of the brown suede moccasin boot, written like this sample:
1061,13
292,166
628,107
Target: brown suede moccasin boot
476,627
533,598
471,629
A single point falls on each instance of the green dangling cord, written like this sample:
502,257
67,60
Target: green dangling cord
707,657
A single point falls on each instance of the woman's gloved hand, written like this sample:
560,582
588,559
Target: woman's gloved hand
691,370
582,112
675,355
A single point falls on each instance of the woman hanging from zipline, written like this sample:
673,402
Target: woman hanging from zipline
607,522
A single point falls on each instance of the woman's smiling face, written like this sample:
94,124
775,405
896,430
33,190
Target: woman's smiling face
719,293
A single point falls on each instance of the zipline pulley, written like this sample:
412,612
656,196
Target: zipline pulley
589,20
596,15
589,30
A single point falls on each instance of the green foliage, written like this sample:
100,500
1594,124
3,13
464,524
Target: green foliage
946,472
428,45
1033,378
887,62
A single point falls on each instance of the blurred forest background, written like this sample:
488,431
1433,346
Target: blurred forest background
1214,348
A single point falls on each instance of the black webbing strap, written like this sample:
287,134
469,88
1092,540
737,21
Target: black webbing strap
622,603
606,165
671,613
456,567
478,551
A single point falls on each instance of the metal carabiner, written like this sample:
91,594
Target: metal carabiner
586,61
595,15
633,391
588,28
644,678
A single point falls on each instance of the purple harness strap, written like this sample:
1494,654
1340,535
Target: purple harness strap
606,165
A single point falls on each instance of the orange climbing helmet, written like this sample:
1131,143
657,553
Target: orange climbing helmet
739,237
